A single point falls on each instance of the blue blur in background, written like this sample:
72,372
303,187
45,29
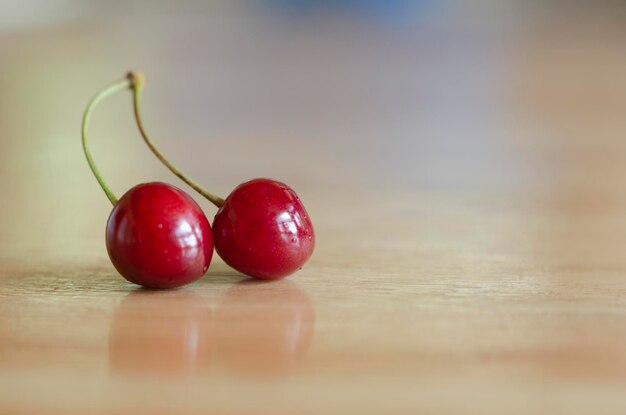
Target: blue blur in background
385,9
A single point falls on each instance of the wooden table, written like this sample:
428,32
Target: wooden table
411,304
470,250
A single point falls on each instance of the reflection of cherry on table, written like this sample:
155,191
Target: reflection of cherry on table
161,333
253,328
263,328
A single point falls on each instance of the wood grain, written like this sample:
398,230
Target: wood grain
449,305
470,246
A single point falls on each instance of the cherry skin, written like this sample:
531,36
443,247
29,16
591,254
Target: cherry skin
263,230
158,237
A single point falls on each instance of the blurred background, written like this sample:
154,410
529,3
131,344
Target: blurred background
347,101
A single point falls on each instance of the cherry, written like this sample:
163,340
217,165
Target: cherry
262,228
156,235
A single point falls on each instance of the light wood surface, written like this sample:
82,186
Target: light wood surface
448,305
464,173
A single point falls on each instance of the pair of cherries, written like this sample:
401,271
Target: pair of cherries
158,237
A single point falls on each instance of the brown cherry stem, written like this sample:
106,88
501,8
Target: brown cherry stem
137,82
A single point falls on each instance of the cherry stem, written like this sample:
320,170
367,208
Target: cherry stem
109,90
137,82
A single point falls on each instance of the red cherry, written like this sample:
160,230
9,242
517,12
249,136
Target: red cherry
263,230
158,237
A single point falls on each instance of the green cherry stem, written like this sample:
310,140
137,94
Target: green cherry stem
137,82
109,90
